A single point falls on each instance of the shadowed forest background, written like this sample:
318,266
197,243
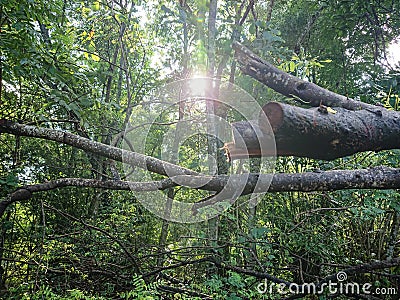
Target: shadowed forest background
85,66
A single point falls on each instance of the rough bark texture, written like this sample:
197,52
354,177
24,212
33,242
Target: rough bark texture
136,159
316,133
374,178
289,85
25,193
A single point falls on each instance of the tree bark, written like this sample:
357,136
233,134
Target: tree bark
289,85
269,10
319,133
136,159
374,178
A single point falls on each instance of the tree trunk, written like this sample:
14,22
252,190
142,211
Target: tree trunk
212,129
320,133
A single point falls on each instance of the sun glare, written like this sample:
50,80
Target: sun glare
198,86
394,53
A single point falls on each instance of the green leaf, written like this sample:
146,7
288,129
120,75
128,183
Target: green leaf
95,57
292,66
11,180
96,5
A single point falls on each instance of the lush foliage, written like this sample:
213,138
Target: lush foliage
85,66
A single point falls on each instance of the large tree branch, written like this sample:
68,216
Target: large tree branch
136,159
316,133
289,85
25,192
375,178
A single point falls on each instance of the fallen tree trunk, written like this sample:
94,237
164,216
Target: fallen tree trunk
289,85
374,178
320,133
